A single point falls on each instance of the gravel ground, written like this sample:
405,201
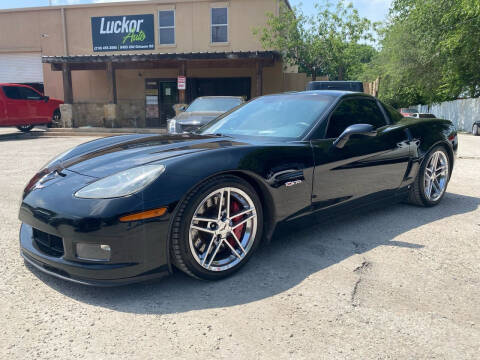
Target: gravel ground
397,283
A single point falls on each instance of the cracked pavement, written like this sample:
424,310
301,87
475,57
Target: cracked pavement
399,282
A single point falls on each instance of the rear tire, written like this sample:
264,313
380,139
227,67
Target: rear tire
432,179
56,118
476,130
210,242
25,128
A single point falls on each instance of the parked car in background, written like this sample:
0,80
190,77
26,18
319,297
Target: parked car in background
408,112
423,116
476,128
201,111
24,107
356,86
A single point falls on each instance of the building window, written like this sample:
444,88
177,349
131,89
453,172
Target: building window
166,21
219,25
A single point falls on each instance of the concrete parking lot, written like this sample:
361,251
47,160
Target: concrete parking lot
401,282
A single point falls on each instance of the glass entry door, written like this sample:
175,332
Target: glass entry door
160,96
167,97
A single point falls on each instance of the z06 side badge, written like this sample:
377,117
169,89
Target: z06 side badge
291,183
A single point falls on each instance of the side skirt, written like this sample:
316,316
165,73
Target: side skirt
356,206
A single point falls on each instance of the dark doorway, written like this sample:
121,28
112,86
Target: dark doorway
160,96
197,87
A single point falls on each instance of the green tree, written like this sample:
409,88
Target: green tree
429,52
326,43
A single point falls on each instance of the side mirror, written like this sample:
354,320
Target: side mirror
46,99
357,129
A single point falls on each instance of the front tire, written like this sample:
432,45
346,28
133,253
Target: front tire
476,130
431,182
25,128
217,228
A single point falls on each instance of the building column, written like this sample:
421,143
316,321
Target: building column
110,109
112,83
67,84
259,78
182,71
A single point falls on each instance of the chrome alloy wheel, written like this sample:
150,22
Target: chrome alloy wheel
436,176
223,229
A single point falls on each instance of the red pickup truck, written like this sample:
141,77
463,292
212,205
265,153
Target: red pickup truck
24,107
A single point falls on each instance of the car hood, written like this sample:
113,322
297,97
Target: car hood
197,117
103,157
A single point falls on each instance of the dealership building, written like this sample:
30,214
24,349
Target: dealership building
126,64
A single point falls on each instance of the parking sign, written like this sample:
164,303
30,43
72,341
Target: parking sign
182,83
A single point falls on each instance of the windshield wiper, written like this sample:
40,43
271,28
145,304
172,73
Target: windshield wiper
218,135
223,135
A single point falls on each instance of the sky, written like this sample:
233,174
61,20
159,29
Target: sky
375,10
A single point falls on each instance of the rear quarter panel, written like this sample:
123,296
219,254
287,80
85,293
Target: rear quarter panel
428,133
431,132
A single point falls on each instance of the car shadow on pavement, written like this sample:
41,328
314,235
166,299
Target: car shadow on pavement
18,135
297,251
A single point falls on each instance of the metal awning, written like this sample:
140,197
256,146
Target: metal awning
128,58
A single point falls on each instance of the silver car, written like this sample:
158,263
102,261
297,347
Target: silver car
201,111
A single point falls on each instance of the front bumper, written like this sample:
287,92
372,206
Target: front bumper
139,249
86,273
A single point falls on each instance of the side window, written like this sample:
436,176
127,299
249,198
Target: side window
393,114
219,25
166,21
29,94
354,111
372,114
12,92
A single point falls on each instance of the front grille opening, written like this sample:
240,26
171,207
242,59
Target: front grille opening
49,244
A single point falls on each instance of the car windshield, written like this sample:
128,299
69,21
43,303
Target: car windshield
280,116
214,104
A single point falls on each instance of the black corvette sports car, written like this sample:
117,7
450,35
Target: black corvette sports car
130,208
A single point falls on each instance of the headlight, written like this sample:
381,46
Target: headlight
122,183
172,126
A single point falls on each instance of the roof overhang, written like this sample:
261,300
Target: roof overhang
155,60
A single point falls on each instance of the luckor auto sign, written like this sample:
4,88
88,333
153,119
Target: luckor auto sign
123,33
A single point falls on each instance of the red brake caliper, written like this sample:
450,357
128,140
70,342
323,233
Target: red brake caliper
234,208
